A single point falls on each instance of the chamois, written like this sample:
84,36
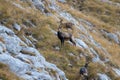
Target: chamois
64,36
84,72
67,25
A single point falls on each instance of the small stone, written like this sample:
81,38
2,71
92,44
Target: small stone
17,27
62,1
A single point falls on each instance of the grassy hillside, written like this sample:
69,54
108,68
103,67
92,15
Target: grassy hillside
103,11
103,17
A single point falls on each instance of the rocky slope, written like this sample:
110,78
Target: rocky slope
28,32
25,61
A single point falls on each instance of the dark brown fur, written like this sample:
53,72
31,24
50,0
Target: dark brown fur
84,71
63,36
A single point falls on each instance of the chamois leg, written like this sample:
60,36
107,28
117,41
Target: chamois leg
85,77
71,40
62,42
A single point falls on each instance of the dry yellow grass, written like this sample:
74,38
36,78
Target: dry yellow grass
6,74
111,47
105,16
1,40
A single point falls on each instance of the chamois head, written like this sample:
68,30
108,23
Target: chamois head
67,25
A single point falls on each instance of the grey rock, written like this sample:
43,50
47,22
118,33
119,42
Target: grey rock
57,48
103,77
80,43
7,31
17,27
113,37
39,5
28,67
117,71
2,47
62,1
